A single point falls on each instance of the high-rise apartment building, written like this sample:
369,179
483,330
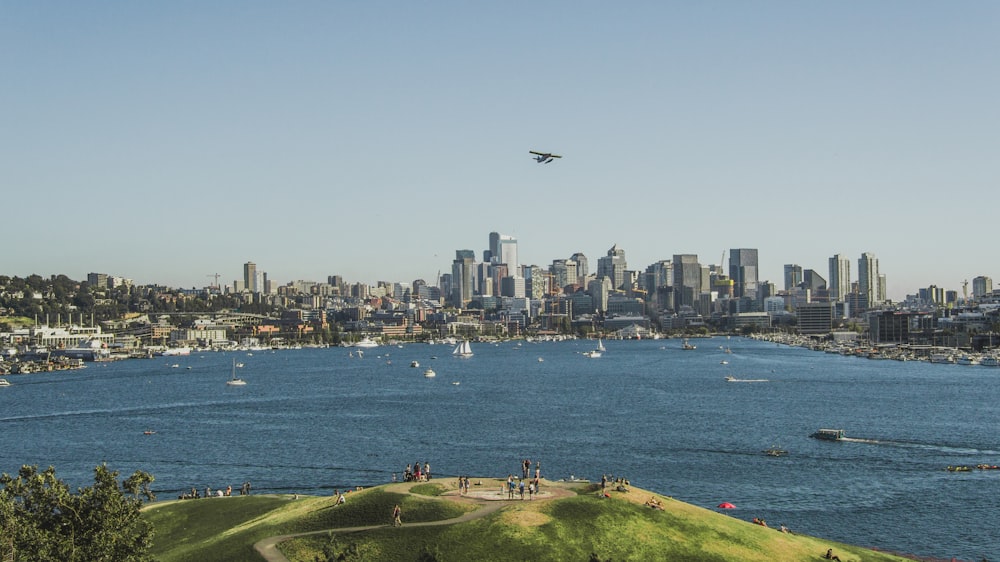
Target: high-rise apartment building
250,277
98,280
868,282
840,278
743,272
982,286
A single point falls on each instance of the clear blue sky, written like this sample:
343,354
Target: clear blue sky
169,141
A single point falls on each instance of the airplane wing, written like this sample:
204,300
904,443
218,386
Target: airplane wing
537,153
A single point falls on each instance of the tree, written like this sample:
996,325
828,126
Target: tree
42,520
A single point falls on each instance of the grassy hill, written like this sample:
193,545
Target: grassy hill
573,522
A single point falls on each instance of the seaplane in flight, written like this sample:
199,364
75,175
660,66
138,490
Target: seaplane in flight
544,157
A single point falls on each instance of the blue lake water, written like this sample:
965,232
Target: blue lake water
313,420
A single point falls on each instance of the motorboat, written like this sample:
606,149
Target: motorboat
734,379
775,452
415,364
829,434
429,373
366,343
686,346
593,354
4,382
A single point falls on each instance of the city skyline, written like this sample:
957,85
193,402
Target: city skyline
168,143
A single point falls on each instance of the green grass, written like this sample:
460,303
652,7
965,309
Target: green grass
225,529
573,528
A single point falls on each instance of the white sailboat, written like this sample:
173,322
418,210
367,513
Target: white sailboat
600,345
463,350
233,380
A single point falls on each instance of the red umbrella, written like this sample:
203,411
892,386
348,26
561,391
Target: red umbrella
727,505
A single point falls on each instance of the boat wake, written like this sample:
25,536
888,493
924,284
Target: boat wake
924,446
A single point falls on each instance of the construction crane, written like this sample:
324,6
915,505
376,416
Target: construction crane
216,276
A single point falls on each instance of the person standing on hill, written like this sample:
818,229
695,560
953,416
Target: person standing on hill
396,514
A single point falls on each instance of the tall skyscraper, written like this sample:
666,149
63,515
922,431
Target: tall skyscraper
613,266
868,283
793,276
250,276
840,278
503,249
687,280
743,272
462,277
582,267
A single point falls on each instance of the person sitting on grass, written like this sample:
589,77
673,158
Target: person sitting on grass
830,555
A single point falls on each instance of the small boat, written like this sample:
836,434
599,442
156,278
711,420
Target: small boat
540,360
723,362
686,346
829,434
593,354
149,432
414,364
456,383
4,382
775,452
429,373
234,380
734,379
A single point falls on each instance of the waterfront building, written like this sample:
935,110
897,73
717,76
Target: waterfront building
743,272
815,317
840,277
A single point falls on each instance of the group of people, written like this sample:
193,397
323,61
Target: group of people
515,486
655,503
760,521
220,493
416,473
